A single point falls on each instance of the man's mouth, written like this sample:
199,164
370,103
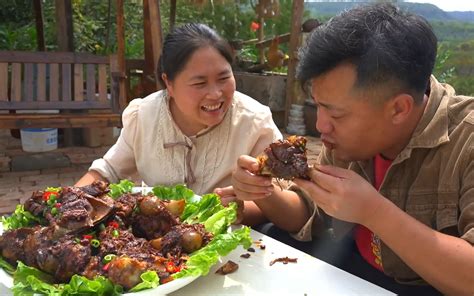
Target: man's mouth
330,145
211,108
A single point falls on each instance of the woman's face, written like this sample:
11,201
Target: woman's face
202,92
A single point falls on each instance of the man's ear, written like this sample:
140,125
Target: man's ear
401,107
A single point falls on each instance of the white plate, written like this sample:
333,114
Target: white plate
7,281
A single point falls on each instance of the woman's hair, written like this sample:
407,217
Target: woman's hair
182,42
387,46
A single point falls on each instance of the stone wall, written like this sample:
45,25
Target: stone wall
268,89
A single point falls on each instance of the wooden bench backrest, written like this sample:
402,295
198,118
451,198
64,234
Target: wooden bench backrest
56,80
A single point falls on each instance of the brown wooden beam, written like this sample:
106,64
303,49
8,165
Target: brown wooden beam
117,62
47,105
38,7
283,38
65,37
172,13
64,25
13,121
7,56
295,35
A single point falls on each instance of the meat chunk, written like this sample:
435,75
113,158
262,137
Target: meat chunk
285,159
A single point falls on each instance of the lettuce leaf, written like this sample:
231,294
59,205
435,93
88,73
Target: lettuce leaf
118,189
199,211
79,285
201,261
174,193
221,220
20,218
150,280
10,269
29,280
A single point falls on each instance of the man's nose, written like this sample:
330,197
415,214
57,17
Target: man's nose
323,124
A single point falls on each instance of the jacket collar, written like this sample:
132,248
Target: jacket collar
432,129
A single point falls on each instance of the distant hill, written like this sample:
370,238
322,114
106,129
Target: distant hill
466,16
429,11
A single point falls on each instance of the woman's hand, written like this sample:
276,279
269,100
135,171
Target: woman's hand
246,184
227,195
342,194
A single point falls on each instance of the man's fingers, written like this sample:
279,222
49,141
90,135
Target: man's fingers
249,196
333,171
248,162
328,182
318,194
252,188
246,177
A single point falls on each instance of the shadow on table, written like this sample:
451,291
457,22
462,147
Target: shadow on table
344,255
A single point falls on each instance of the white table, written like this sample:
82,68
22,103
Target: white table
255,276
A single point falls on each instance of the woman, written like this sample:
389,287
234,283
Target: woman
193,131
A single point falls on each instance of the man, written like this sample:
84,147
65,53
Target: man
396,174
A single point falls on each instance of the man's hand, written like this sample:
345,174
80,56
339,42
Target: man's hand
247,185
342,194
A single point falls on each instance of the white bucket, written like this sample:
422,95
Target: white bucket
39,139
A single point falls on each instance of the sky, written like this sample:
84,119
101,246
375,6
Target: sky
450,5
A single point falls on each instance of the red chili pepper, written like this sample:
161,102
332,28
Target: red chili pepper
58,205
114,224
106,267
87,236
171,267
46,195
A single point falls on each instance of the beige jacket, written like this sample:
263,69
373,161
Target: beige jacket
153,149
432,179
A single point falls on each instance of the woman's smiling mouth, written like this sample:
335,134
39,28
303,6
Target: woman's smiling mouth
211,108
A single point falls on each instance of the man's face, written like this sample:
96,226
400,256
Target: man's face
351,123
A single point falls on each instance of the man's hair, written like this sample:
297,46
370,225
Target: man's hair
385,44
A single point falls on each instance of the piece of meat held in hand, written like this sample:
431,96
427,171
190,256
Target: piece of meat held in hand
285,159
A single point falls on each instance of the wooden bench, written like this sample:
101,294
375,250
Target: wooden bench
84,87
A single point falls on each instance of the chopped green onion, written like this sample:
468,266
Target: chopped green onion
95,243
115,233
52,200
54,211
108,258
101,226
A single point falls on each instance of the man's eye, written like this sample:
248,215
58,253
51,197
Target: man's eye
224,78
198,84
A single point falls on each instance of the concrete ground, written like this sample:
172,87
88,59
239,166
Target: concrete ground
21,172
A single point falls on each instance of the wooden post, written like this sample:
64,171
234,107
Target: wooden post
261,36
153,37
65,43
121,55
38,7
64,25
295,35
172,13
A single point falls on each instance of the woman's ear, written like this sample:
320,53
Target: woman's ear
401,108
168,85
